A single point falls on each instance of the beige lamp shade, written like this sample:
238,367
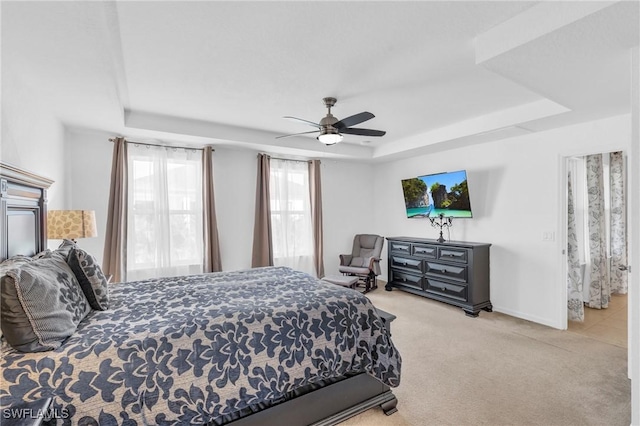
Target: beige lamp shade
71,224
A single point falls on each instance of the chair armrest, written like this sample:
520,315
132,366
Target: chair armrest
374,265
345,259
373,261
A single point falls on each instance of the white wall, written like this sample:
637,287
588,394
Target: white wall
89,177
235,187
348,200
515,187
348,196
32,138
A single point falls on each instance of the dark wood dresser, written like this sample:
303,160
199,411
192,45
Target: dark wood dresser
454,272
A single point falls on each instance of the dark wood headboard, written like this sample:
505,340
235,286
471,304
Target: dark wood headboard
23,211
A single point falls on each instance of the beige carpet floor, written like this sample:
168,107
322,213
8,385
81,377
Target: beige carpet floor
497,370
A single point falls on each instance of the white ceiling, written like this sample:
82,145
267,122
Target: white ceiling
436,74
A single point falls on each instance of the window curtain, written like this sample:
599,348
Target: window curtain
292,231
574,277
599,287
618,224
212,260
165,212
114,257
262,247
315,191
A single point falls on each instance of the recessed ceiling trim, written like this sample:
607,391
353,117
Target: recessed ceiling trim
475,126
240,136
532,24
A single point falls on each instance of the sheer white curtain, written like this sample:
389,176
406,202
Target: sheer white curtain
292,232
165,212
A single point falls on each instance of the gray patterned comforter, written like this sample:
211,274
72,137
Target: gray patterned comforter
194,349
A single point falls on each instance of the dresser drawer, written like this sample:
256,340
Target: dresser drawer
399,247
429,252
407,263
453,254
452,291
451,272
405,279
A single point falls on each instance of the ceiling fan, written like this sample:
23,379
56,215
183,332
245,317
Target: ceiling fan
331,129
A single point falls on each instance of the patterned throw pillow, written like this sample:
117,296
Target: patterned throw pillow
65,248
13,262
42,304
42,254
8,264
91,278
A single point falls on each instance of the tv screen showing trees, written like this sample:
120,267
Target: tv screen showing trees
441,193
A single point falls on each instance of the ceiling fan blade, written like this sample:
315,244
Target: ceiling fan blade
363,132
295,134
311,123
353,120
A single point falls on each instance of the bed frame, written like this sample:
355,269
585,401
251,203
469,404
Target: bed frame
23,212
23,230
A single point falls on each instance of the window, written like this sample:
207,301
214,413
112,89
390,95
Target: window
165,212
291,228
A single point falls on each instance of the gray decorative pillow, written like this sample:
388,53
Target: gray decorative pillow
42,304
42,254
65,248
13,262
91,278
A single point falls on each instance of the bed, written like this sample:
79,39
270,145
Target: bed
261,346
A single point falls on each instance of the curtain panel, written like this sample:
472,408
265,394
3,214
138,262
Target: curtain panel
574,277
262,254
315,192
211,248
618,224
599,287
115,243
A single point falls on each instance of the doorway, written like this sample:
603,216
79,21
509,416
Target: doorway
596,224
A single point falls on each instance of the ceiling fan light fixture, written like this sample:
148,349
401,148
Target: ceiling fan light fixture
331,129
330,137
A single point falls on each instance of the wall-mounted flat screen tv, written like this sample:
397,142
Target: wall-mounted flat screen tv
431,195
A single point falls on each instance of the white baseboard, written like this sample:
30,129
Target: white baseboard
532,318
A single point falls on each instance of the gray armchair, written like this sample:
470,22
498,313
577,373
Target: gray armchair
364,260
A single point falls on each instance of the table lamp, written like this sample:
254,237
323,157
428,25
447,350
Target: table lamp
71,224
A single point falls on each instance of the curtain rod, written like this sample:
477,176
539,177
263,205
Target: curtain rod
161,145
286,159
